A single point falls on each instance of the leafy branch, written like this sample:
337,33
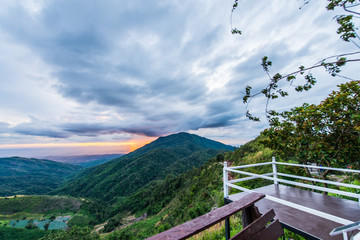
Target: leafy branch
273,91
332,64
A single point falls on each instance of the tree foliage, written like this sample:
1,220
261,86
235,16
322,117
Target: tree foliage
328,133
75,233
348,32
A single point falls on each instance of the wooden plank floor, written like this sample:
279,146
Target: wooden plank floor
314,226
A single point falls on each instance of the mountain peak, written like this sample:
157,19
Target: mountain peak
173,154
181,139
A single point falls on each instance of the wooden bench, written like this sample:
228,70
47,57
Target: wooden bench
255,226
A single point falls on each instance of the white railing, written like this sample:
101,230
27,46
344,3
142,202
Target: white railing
274,176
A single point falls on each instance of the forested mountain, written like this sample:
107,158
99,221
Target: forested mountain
178,199
32,176
171,155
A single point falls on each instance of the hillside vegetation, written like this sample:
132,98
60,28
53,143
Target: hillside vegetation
28,205
24,176
33,217
121,177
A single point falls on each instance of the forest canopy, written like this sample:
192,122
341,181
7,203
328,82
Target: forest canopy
327,133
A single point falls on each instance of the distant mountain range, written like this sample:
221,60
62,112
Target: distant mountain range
170,155
32,176
84,160
24,176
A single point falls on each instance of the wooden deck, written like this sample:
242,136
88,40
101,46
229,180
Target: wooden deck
311,226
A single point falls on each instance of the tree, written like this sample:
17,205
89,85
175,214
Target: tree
332,64
327,134
31,225
46,226
112,224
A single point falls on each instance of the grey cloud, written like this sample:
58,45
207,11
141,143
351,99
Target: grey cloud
86,87
220,120
88,129
219,106
4,127
151,60
80,44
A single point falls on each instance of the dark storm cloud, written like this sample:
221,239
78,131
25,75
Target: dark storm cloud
222,118
34,129
219,106
86,129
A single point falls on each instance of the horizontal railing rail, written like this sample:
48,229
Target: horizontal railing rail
249,178
251,165
319,167
320,180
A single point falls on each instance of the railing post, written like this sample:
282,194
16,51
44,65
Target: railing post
227,228
274,170
226,178
226,195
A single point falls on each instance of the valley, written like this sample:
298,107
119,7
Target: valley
155,174
38,215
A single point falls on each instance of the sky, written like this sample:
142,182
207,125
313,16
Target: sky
96,77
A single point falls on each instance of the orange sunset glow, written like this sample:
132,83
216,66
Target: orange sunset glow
90,147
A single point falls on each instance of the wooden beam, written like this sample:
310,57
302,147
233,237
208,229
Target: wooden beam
255,227
249,215
271,232
203,222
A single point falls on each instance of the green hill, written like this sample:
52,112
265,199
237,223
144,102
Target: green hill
24,176
171,155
